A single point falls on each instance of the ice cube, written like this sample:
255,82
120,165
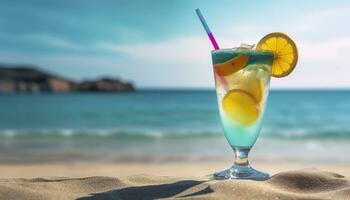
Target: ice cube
246,46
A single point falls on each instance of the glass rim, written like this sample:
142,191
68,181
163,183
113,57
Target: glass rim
236,48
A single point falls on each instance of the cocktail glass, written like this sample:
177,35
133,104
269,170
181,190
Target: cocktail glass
242,79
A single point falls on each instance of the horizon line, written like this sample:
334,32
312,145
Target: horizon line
271,89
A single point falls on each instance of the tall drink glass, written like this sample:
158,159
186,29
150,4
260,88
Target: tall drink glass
242,79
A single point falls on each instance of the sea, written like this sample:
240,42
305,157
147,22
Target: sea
168,126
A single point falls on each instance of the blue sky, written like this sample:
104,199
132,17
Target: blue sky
159,43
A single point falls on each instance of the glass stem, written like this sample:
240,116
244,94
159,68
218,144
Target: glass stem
241,156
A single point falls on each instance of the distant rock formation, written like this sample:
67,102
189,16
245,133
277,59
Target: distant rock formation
104,84
28,79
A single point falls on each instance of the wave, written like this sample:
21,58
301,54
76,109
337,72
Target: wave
308,134
106,133
277,133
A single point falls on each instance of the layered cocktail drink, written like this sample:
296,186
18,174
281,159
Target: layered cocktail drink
242,78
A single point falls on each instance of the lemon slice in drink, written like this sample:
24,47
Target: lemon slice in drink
285,51
241,107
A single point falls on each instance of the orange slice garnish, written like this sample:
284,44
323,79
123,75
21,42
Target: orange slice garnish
285,51
231,66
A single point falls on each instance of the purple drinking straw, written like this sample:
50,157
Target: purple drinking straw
206,27
215,44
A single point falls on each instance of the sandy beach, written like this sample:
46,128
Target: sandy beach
169,180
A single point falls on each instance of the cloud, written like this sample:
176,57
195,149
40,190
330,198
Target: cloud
321,19
197,50
322,64
320,23
179,50
53,41
334,51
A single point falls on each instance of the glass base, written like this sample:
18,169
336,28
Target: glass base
241,172
241,169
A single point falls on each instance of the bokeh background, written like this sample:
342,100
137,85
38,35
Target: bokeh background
161,47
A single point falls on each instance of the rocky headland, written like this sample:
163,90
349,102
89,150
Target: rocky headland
27,79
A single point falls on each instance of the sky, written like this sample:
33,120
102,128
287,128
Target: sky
158,43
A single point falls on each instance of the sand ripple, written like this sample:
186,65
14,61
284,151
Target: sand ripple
300,184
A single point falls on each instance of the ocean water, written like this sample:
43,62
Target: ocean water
166,125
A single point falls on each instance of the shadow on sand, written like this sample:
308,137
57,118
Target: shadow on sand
149,192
